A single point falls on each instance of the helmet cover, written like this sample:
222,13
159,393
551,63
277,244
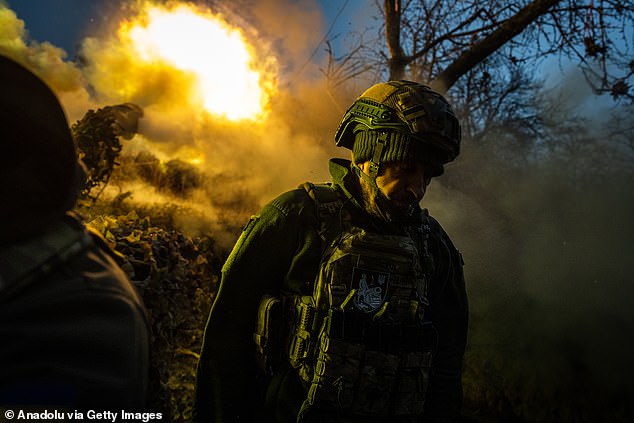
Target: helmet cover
419,124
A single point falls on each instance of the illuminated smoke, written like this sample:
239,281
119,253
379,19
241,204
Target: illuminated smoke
223,68
46,60
234,113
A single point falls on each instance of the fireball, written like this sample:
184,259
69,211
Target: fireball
218,56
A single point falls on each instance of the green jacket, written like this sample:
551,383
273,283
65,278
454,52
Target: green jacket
278,253
74,331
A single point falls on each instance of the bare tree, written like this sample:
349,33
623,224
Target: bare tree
440,42
488,52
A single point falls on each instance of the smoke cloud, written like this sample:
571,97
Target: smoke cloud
547,244
47,61
245,161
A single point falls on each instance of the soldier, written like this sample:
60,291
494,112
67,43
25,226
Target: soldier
73,330
346,302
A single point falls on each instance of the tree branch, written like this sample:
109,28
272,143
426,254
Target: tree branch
482,49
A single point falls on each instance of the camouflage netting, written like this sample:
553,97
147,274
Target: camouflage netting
97,137
168,249
177,277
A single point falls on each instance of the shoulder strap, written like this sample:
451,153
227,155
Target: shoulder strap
325,197
22,262
421,234
332,215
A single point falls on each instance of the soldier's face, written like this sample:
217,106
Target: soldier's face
402,184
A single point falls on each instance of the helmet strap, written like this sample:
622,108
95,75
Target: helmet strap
375,163
381,142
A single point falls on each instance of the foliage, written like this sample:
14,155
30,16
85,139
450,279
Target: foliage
177,277
175,273
175,176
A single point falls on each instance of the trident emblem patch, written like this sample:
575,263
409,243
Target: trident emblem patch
371,287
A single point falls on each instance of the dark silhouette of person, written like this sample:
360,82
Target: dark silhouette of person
73,330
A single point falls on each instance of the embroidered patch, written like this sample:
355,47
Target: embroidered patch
371,287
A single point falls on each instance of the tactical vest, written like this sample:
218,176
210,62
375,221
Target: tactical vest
360,342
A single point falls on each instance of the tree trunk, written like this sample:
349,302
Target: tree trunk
397,60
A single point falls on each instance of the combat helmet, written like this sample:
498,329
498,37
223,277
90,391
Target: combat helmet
39,173
400,121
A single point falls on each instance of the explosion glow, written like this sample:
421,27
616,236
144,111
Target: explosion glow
202,44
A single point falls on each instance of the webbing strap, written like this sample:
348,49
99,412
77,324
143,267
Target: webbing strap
424,231
22,262
332,214
381,142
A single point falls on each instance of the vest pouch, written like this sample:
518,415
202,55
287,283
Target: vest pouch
336,371
374,387
411,383
267,335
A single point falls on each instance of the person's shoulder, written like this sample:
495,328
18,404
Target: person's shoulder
68,267
436,228
438,232
98,265
294,202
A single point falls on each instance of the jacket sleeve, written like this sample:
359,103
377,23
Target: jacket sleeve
449,314
257,265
